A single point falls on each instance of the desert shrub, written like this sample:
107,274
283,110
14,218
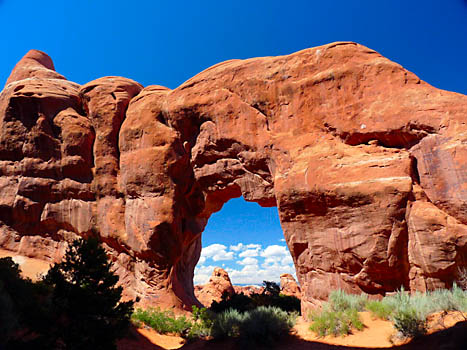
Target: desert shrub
162,321
408,322
408,312
264,325
459,297
340,315
202,323
379,309
341,301
330,322
227,324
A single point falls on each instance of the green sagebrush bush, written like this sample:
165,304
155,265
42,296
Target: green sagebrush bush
262,325
340,315
341,301
266,324
408,312
165,321
162,321
408,322
227,324
331,322
379,309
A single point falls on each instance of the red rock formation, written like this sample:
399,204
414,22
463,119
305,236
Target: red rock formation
218,285
289,286
248,290
365,162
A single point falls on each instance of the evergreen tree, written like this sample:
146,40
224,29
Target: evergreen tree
86,303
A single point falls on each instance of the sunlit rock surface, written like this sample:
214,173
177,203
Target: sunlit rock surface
218,285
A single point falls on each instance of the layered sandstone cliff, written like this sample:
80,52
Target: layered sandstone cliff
366,163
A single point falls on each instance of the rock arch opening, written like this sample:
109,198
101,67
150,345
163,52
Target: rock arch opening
241,238
247,241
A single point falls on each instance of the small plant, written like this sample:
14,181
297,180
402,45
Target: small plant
264,324
408,322
341,301
408,312
162,321
202,323
330,322
227,324
379,309
340,315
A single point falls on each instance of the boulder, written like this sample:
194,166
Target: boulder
218,285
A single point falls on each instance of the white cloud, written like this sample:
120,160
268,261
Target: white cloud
216,252
248,261
251,274
237,247
249,252
275,251
255,264
241,247
282,240
270,261
212,250
223,255
253,246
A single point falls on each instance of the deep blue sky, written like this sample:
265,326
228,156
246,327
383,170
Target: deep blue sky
166,43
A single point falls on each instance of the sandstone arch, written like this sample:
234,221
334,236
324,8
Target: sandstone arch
365,162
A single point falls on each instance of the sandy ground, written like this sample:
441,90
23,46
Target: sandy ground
446,332
376,333
30,268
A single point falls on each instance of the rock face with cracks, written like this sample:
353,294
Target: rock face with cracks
366,163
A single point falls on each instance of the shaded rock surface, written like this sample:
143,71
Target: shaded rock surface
218,285
365,162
